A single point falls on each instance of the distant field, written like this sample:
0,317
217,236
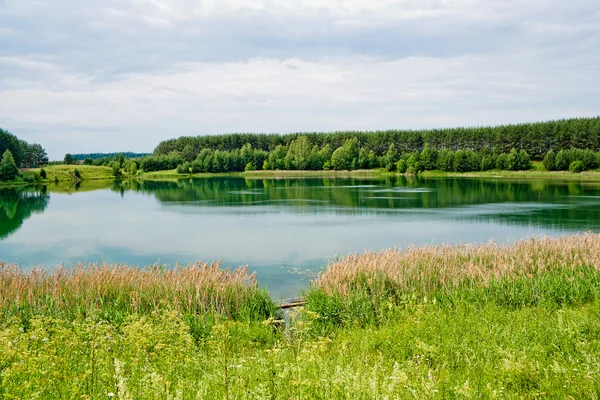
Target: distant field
66,173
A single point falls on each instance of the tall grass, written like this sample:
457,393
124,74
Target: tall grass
112,292
450,322
534,271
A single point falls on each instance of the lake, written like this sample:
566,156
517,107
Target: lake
284,229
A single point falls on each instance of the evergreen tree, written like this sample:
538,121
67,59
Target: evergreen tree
550,161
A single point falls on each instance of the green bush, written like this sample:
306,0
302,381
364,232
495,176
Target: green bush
184,168
576,167
43,174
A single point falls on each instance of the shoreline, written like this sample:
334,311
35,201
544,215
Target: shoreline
586,176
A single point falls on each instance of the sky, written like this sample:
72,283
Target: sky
84,76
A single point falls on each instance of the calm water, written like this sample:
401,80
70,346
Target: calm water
284,229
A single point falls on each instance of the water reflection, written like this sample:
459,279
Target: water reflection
284,229
19,204
543,203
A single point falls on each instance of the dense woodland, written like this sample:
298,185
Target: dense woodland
508,147
535,138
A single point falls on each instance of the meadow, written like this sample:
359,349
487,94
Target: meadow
468,321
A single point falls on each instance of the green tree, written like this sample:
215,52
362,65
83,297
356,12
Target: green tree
550,161
391,157
8,167
401,166
298,154
188,153
429,158
487,163
69,159
346,157
562,160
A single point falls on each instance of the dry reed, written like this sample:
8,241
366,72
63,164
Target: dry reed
196,289
445,267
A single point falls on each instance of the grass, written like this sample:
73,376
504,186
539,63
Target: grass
473,321
113,292
66,173
537,171
262,174
443,268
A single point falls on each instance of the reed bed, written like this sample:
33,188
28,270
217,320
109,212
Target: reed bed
531,272
430,268
115,291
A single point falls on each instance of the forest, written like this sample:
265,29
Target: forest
507,147
535,138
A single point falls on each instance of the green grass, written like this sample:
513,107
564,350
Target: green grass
422,350
537,171
525,326
66,173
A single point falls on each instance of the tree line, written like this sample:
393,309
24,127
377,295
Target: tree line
302,155
26,155
534,138
17,153
106,156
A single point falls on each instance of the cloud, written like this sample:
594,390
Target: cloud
93,75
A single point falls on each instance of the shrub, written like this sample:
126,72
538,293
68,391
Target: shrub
77,173
576,167
250,167
43,174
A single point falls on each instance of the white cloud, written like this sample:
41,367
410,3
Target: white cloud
111,75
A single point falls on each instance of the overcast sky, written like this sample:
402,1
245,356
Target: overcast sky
122,75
